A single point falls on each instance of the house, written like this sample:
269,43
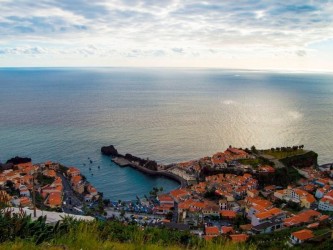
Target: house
326,203
302,218
54,200
228,214
267,215
165,199
179,194
223,204
301,236
268,226
27,179
239,237
163,209
307,201
92,190
252,193
212,231
24,191
73,171
296,195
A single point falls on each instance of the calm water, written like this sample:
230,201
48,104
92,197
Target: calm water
170,115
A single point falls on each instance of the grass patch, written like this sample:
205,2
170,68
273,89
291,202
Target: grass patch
283,154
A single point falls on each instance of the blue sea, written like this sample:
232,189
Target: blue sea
170,115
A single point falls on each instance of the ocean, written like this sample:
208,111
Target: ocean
169,115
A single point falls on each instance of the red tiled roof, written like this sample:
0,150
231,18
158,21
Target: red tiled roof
228,213
55,199
239,237
304,234
212,230
303,217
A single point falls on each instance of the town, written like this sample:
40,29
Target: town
238,194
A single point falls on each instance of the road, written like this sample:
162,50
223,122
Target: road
70,197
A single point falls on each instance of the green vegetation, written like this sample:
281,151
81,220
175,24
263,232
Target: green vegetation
283,154
256,162
252,162
44,180
20,232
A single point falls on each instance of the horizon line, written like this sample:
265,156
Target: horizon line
277,70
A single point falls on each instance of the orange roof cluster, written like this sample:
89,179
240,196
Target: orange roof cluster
256,201
304,234
165,198
200,187
309,187
303,217
179,193
73,171
269,213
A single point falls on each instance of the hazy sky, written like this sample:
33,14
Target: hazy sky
173,33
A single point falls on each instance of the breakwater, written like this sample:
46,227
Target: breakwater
145,166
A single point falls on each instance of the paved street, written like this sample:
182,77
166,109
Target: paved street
70,198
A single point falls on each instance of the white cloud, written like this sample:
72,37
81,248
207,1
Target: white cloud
143,28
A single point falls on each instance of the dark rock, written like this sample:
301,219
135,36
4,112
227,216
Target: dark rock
6,166
18,160
109,150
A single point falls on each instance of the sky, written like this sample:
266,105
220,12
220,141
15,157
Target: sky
282,35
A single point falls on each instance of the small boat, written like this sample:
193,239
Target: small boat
91,161
99,166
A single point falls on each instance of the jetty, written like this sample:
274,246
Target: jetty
121,161
134,162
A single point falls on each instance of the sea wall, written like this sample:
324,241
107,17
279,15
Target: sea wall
145,166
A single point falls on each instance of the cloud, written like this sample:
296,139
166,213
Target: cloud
301,53
178,50
145,28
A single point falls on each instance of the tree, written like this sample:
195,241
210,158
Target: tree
254,150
